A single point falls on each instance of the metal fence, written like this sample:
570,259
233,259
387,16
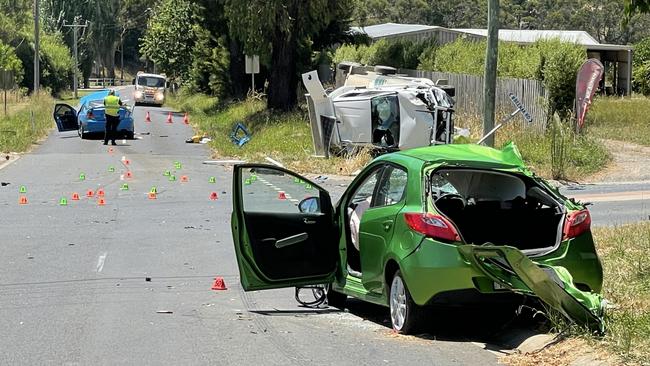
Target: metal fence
101,83
469,94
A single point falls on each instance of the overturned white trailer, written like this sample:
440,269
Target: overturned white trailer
379,109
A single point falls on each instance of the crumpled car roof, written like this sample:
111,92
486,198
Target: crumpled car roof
508,156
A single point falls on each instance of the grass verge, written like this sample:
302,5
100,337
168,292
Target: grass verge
17,132
624,119
582,155
285,137
625,254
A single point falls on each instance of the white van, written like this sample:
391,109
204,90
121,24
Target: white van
149,88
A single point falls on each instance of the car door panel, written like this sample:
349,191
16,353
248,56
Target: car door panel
378,225
276,244
302,258
65,117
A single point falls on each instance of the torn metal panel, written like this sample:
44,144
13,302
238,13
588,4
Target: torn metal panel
554,285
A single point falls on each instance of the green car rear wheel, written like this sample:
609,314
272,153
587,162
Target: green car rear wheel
404,313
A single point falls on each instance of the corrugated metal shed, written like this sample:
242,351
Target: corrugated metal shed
530,36
392,29
616,57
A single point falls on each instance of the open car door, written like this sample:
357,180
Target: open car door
282,228
511,268
65,117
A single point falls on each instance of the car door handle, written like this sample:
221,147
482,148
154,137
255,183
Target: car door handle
308,221
387,224
291,240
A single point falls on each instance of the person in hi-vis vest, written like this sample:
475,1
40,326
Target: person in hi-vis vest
112,105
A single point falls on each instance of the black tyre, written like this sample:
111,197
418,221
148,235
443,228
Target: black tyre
335,299
405,314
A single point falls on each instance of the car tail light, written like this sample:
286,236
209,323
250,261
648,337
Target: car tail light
432,226
577,222
90,115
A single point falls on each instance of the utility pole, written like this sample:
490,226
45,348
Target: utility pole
37,74
491,57
75,28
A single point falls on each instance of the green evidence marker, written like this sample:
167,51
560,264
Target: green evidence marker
111,168
22,189
124,187
247,181
153,190
172,177
82,176
212,180
63,201
167,173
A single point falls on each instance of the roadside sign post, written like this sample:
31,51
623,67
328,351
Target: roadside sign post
252,67
6,83
520,109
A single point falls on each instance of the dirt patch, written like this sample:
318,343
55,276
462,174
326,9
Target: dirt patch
630,163
569,352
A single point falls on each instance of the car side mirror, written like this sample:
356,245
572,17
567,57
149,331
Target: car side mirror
309,205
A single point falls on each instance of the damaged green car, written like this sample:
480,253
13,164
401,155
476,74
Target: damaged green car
447,224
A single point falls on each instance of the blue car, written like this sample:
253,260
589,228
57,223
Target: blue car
88,117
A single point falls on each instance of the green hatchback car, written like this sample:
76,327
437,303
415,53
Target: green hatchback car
433,225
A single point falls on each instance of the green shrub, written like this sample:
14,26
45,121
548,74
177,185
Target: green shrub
558,67
552,62
398,53
387,53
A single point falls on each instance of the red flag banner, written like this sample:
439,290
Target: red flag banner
589,75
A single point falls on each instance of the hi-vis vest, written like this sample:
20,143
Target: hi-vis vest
112,106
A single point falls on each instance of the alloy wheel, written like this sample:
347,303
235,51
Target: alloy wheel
398,303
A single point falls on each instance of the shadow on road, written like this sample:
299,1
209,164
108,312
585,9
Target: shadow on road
487,323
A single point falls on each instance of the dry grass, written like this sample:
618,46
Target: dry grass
625,254
624,119
17,133
563,353
285,137
584,155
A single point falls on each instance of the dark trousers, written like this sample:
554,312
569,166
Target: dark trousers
111,128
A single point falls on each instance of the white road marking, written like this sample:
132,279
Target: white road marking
100,261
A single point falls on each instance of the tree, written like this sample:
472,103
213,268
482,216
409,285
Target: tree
282,32
171,37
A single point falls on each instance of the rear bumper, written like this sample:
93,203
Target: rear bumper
100,126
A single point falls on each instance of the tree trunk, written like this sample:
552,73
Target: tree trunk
283,80
237,70
110,60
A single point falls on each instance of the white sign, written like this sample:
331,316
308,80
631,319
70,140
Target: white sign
521,108
253,64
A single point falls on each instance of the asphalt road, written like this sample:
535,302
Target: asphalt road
613,204
128,282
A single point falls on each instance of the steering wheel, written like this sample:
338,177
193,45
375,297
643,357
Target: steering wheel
450,196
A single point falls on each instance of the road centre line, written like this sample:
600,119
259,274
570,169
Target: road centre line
100,262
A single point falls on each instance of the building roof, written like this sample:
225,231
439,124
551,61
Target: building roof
530,36
508,35
391,29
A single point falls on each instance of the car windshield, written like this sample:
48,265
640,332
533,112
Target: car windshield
151,81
